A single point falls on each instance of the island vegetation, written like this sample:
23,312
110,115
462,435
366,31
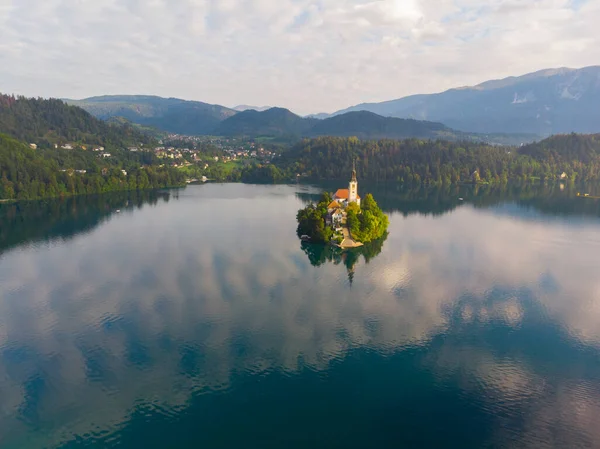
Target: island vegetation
365,222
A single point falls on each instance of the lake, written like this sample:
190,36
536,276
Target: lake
196,318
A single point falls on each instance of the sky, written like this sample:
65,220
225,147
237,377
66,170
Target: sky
307,55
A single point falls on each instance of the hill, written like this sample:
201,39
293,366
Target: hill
167,114
46,122
27,174
565,148
546,102
365,125
272,122
417,161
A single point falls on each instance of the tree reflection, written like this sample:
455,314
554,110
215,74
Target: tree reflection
46,220
548,199
320,254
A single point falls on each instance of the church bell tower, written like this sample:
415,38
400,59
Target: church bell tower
353,186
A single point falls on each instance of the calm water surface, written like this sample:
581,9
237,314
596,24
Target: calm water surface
196,319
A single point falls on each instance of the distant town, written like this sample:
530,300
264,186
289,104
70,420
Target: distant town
202,156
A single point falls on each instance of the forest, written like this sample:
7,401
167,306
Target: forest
27,174
49,122
573,157
45,170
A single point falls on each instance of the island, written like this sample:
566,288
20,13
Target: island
343,219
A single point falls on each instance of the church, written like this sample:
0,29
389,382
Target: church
350,195
336,213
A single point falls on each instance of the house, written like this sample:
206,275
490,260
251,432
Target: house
337,216
124,172
333,205
67,146
563,175
81,172
105,155
33,146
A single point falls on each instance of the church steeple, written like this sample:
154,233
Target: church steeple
353,187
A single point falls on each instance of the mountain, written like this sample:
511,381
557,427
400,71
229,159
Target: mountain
546,102
367,125
167,114
272,122
245,107
280,122
47,122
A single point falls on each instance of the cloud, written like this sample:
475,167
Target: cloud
308,55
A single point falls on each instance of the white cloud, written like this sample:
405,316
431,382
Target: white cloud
309,55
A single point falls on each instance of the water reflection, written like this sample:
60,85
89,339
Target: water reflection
319,254
558,200
30,222
203,315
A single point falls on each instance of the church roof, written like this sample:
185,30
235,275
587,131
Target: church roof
342,194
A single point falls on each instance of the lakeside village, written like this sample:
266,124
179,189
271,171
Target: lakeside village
180,151
343,219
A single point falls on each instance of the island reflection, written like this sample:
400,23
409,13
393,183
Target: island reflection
320,254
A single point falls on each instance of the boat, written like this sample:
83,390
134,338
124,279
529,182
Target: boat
460,199
305,238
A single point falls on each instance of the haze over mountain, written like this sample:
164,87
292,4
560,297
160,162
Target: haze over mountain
545,102
245,107
167,114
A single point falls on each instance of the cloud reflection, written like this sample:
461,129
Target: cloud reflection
172,300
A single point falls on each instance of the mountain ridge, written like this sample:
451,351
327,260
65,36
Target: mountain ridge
280,122
548,101
167,114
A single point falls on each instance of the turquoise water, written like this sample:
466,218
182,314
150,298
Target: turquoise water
197,319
